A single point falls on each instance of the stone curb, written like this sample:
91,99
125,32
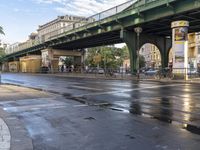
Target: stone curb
5,137
20,139
118,78
172,81
86,77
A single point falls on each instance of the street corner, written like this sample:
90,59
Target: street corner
19,137
10,92
5,137
13,135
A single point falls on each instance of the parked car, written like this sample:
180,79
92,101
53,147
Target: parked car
100,71
150,72
193,72
91,70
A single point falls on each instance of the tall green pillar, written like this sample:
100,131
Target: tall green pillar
130,38
166,45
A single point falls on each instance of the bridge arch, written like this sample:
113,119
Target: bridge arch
161,42
151,55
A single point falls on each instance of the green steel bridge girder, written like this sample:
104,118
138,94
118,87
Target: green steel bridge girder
164,45
107,31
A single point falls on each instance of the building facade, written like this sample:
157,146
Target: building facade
49,30
11,48
60,25
197,38
3,45
152,56
193,50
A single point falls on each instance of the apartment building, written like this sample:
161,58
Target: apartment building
11,48
194,50
198,48
48,31
32,40
3,45
153,58
60,25
152,55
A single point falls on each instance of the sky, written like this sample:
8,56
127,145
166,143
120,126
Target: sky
19,18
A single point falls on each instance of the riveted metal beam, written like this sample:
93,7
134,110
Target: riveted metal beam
158,14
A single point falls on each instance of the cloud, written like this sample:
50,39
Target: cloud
82,7
49,1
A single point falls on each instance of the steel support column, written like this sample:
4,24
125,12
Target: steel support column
130,38
165,45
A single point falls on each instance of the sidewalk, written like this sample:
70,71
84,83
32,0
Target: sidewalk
94,76
5,137
76,121
13,135
119,77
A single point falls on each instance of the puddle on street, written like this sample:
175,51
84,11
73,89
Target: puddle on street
163,112
166,109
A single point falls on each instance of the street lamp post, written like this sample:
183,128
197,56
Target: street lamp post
138,30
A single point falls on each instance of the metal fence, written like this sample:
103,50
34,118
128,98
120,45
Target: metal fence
170,74
122,73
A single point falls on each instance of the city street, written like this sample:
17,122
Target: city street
60,113
100,75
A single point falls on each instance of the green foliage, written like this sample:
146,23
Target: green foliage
1,30
2,54
106,57
68,61
142,61
91,55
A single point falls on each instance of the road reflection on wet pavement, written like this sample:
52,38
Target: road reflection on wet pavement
172,104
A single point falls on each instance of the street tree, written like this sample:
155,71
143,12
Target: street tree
68,61
2,51
93,57
1,30
142,61
106,57
2,54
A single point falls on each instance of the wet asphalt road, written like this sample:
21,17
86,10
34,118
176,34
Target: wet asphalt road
113,114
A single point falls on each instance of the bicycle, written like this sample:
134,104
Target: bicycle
164,73
170,75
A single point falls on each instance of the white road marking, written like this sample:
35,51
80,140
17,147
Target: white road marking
34,107
128,90
86,88
80,106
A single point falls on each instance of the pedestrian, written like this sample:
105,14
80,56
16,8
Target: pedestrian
62,68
